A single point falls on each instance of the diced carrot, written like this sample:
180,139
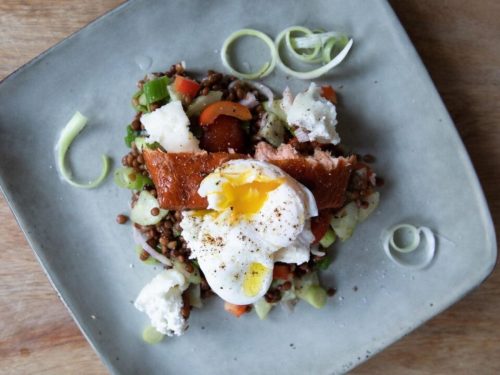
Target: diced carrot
281,272
329,93
236,310
186,86
320,224
223,107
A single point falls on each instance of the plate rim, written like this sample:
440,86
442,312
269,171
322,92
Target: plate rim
396,27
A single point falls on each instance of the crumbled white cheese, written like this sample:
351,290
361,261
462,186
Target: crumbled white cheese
161,300
313,115
169,126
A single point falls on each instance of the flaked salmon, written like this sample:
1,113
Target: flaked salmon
177,176
327,177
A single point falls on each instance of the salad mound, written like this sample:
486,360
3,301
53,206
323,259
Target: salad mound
237,193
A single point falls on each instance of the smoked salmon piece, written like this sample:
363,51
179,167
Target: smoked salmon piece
177,176
327,177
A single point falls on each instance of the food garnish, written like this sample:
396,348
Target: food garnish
68,134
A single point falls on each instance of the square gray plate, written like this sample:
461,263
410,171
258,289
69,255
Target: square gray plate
389,108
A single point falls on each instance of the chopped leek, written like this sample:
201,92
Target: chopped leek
128,178
314,38
293,48
405,250
151,336
272,129
265,70
328,239
315,73
262,308
141,212
68,134
275,107
174,95
156,90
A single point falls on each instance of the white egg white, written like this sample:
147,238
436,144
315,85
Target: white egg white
227,245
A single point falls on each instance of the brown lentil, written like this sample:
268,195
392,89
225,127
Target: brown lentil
272,295
155,211
286,285
136,125
144,255
121,219
172,245
331,292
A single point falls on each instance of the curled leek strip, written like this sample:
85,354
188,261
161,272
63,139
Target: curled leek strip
391,248
292,47
266,69
68,134
315,73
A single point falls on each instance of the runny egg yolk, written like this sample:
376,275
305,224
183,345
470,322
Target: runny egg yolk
246,198
254,278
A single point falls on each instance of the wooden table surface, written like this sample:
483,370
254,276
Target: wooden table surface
459,43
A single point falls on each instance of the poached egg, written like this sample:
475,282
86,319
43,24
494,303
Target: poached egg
257,215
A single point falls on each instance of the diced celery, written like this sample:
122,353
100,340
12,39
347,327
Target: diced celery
314,295
194,294
328,239
128,178
344,222
151,335
262,308
372,201
202,101
303,283
141,212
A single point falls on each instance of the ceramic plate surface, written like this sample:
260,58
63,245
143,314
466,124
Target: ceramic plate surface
388,108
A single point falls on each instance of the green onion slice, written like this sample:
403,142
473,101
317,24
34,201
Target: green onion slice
68,134
155,90
315,73
265,70
399,251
